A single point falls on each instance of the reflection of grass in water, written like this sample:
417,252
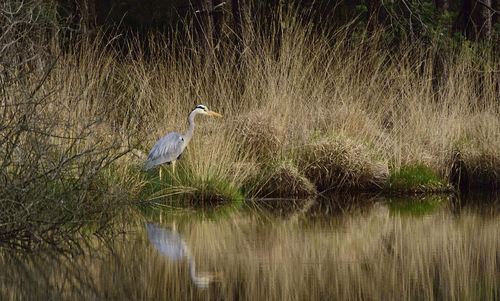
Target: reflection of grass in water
177,211
416,207
374,254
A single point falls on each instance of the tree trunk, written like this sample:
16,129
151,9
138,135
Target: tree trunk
237,12
207,31
241,25
210,18
484,16
442,4
496,17
373,9
88,16
475,19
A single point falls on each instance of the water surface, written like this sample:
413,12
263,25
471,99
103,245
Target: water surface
344,248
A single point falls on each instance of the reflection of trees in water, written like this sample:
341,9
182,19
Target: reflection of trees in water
323,206
480,202
171,245
344,203
364,203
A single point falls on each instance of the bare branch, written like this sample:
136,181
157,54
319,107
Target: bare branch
488,7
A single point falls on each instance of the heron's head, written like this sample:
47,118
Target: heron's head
201,109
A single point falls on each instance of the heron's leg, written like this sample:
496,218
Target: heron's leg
160,172
173,167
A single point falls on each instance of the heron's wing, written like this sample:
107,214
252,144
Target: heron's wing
167,242
167,149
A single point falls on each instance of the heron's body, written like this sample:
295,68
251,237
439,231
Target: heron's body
170,244
166,150
170,147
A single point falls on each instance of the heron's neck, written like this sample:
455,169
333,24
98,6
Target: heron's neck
190,131
201,282
192,269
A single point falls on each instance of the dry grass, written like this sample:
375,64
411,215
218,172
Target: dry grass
283,94
280,180
475,164
386,102
260,135
342,164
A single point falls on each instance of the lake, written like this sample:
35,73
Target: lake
362,247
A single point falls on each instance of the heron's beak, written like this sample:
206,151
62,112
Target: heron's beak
214,114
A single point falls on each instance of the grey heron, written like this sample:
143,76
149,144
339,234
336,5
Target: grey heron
170,244
170,147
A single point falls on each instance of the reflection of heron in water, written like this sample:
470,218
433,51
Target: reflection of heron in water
170,243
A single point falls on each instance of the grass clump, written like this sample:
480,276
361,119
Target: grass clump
341,163
417,178
475,165
215,190
260,135
187,185
281,180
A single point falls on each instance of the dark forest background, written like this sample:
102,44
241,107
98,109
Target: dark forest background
437,20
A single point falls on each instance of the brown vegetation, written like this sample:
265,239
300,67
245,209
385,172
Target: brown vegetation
280,180
342,164
342,111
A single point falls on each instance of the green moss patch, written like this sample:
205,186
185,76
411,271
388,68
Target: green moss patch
417,178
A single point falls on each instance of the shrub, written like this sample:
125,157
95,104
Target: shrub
50,156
